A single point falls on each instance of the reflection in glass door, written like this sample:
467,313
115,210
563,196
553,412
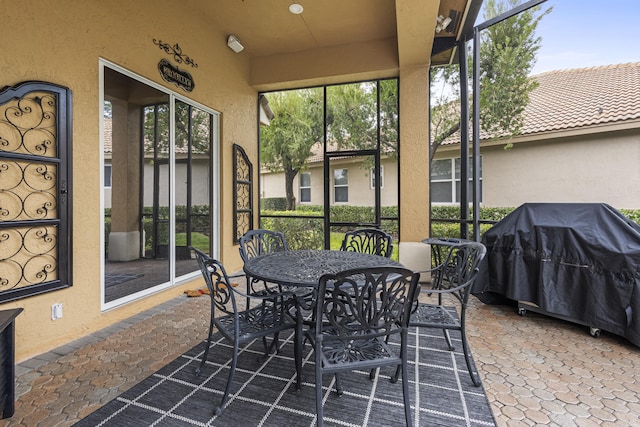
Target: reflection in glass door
160,198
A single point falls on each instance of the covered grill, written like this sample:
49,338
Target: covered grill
576,261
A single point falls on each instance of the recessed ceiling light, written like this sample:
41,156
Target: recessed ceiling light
296,8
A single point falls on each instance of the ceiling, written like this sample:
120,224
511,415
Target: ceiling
267,29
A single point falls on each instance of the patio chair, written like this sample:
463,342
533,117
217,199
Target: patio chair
255,243
368,240
268,315
453,276
356,313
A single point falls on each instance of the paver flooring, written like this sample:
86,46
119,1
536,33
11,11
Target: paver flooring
536,370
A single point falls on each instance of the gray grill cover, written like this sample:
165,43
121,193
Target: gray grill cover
577,260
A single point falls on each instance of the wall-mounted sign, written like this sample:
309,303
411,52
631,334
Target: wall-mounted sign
172,74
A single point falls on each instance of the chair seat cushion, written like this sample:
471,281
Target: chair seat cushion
437,316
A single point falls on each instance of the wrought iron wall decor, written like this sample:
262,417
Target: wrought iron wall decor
35,196
243,194
172,74
176,51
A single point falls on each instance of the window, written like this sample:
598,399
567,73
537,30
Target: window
373,177
305,187
107,176
445,181
341,185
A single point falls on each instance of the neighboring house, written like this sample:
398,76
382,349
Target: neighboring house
351,182
580,143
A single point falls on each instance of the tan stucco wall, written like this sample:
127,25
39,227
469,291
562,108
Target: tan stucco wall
62,44
595,167
414,153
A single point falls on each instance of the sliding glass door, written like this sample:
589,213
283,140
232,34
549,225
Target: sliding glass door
158,185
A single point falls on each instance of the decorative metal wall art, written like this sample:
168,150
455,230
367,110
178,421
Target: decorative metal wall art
176,51
35,202
243,194
172,73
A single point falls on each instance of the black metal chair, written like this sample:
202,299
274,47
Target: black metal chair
255,243
356,313
267,315
368,240
459,262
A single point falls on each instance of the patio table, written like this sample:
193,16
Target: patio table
302,269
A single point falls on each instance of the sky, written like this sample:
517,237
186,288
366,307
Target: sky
587,33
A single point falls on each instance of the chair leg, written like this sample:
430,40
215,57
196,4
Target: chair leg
467,357
394,377
339,389
206,350
234,361
448,338
372,373
297,352
268,347
405,394
320,422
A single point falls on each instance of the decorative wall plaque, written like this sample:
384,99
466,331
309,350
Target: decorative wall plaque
172,74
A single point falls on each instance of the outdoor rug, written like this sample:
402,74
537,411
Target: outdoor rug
264,394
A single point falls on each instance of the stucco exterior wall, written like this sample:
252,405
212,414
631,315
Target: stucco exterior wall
360,191
597,167
62,44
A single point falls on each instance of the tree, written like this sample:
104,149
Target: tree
352,118
352,124
507,56
297,125
189,122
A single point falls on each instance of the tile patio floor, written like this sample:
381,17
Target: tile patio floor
536,370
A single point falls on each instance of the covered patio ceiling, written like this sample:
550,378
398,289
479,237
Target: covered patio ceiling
331,39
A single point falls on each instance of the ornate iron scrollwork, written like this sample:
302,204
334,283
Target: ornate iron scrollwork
242,196
176,51
34,235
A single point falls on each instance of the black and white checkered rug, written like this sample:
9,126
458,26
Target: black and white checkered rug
264,393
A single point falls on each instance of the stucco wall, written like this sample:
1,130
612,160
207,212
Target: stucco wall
596,167
360,191
62,43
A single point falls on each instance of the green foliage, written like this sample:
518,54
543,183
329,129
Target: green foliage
273,203
352,115
285,145
301,233
507,56
191,124
632,214
307,233
449,229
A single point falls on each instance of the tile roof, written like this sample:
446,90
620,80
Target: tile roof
584,97
580,97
